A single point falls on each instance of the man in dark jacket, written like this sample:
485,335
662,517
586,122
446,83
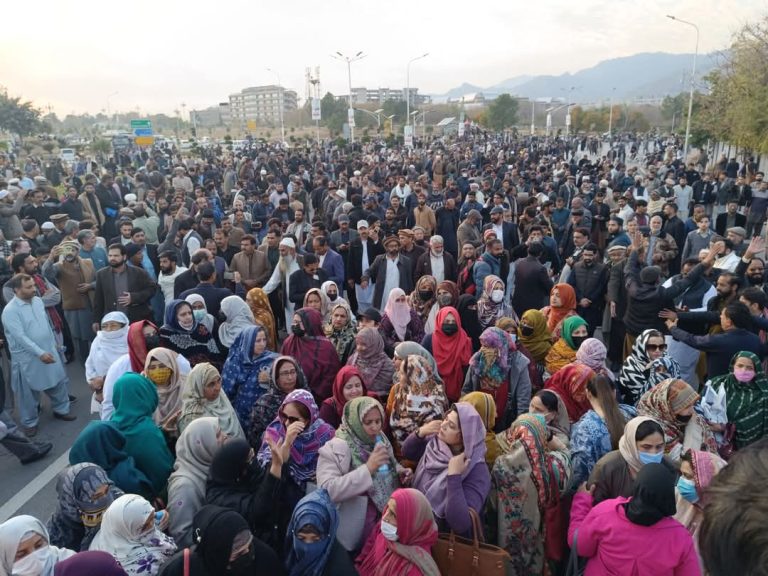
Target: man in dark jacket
122,288
310,276
532,283
589,279
436,256
390,270
359,261
675,228
206,274
505,231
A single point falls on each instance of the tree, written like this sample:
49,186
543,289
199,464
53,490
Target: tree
502,113
101,146
18,117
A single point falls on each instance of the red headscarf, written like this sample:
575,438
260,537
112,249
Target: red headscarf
567,304
344,376
452,353
570,383
137,345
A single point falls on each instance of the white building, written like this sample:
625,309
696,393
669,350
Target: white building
261,103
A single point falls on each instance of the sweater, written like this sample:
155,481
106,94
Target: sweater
614,545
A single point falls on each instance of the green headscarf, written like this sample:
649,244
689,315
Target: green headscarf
746,402
569,325
361,445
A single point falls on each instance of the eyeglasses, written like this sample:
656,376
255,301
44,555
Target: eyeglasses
291,419
287,373
655,347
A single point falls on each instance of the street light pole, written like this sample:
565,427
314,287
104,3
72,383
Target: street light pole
351,113
533,116
693,77
408,85
610,114
281,94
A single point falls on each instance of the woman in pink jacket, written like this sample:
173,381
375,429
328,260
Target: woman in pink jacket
636,535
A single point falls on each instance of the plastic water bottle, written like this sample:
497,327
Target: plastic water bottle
384,468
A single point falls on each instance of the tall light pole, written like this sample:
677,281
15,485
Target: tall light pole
533,116
351,113
693,78
610,113
408,85
281,97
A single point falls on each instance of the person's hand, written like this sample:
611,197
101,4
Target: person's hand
569,261
671,323
669,314
613,309
458,464
47,358
555,444
293,431
55,253
96,383
430,428
585,488
585,302
716,427
124,299
756,247
378,457
84,288
717,249
406,477
279,455
637,241
237,278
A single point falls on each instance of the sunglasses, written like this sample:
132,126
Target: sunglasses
655,347
291,419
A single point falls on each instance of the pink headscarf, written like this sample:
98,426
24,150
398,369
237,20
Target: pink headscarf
398,312
592,353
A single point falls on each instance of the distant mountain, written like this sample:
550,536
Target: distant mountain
646,75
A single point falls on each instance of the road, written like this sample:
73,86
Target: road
31,489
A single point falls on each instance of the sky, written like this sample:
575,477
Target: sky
155,55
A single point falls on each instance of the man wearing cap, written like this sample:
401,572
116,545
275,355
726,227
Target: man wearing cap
469,230
505,231
362,253
58,233
289,263
181,181
388,271
409,248
370,318
730,219
568,191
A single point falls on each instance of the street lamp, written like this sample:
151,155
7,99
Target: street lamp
610,114
693,76
376,114
351,114
408,85
281,96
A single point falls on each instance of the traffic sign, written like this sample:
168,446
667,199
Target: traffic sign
408,135
351,117
144,140
143,131
316,109
145,124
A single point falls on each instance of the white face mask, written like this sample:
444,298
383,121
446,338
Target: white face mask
387,530
33,564
497,296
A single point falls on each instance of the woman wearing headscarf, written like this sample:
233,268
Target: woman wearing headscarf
452,472
185,335
135,402
314,352
203,396
509,325
285,377
746,398
341,331
200,311
402,542
642,443
223,546
497,370
491,305
486,408
103,444
195,450
110,344
599,430
452,349
528,479
405,349
423,297
258,302
129,532
25,548
163,371
400,322
89,564
318,300
238,483
563,351
637,534
447,295
84,492
416,399
331,290
570,384
671,405
311,546
467,308
359,470
245,376
549,405
533,333
562,305
347,386
238,317
648,365
374,365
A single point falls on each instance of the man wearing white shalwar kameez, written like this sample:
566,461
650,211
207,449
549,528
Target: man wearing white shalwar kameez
35,362
288,264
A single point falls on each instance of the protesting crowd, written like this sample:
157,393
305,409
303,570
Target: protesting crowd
326,361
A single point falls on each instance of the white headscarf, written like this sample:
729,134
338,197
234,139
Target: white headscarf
107,347
13,531
208,320
239,317
195,449
122,534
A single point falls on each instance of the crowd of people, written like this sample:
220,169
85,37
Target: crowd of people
314,361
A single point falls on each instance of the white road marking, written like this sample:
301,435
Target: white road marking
26,494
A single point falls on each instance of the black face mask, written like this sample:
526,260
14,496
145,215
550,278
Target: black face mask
449,329
221,316
332,296
243,565
152,341
526,330
577,341
298,330
683,419
426,294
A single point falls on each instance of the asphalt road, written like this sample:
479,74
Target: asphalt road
31,489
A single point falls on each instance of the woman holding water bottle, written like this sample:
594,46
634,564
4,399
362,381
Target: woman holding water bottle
359,471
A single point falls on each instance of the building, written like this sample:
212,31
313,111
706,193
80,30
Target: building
261,103
207,118
381,95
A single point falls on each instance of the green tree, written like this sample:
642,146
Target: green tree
502,112
18,117
101,146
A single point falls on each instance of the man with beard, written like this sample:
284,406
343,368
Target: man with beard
299,228
223,248
74,276
169,271
437,262
289,264
388,271
616,234
409,248
752,268
505,231
362,252
122,288
589,279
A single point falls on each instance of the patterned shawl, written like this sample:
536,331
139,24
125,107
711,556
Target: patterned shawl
538,343
639,374
423,307
340,337
746,404
361,445
570,384
196,344
258,301
491,364
486,407
369,357
169,396
303,460
489,311
195,405
592,353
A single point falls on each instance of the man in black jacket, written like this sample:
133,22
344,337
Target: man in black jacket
589,279
122,288
213,295
359,261
390,270
532,283
301,281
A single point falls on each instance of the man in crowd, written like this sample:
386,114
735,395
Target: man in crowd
249,266
122,288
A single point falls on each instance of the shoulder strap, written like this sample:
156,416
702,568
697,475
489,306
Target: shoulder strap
186,561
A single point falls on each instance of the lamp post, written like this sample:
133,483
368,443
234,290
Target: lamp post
533,116
376,114
693,77
610,115
408,85
281,97
349,60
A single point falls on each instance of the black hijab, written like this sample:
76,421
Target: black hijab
653,497
469,319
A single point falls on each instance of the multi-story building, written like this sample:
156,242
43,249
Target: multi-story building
381,95
261,103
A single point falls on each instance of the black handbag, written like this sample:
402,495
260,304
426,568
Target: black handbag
576,566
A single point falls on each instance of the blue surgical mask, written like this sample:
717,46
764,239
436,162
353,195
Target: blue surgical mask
648,458
200,314
687,489
389,531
